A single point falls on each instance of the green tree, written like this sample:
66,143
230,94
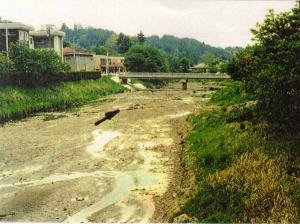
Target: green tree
179,64
86,37
100,50
123,43
141,38
36,61
271,68
111,44
188,47
245,63
143,58
212,61
66,44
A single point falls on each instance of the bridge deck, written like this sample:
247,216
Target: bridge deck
143,75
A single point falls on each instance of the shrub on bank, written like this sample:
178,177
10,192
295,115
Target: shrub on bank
37,67
36,61
270,70
234,93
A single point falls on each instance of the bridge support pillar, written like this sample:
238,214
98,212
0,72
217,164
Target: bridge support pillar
124,80
184,84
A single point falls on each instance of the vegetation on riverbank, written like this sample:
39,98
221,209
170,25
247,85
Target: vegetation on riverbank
244,151
242,172
18,102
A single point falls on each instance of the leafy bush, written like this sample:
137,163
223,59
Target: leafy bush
37,67
36,61
233,93
271,69
143,58
179,64
6,66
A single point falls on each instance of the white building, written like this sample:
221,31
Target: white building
48,39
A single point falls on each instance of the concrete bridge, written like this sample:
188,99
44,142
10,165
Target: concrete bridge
184,77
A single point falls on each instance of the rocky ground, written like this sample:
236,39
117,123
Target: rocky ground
61,167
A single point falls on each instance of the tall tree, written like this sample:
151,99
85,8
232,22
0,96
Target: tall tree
101,50
179,64
271,69
212,61
111,44
123,43
143,58
141,37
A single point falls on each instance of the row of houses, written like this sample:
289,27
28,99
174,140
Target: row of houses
19,32
50,38
83,60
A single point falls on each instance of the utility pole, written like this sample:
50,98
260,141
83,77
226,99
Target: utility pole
49,33
107,68
49,27
6,39
74,57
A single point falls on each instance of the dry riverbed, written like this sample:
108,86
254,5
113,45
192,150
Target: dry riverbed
60,167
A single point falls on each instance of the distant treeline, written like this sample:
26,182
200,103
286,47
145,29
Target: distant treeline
101,40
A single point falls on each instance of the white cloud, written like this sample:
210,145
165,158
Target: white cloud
219,23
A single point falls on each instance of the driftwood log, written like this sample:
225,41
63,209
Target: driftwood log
107,116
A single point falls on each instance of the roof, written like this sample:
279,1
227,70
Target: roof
201,65
15,26
71,51
42,33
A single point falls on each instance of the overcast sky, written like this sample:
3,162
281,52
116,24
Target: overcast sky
219,23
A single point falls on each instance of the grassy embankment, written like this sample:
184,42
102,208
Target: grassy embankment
17,102
243,173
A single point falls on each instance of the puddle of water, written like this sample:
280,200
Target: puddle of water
101,138
57,178
124,183
25,170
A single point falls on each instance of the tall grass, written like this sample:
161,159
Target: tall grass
234,93
242,174
18,102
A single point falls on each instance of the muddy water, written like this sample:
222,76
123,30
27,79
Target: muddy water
67,169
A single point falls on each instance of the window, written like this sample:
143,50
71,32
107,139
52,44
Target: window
103,62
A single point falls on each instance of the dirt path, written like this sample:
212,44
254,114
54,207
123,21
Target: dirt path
60,167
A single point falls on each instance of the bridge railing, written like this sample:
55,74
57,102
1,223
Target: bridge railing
146,75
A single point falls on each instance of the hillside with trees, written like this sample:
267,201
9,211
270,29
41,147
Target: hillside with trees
188,47
102,41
